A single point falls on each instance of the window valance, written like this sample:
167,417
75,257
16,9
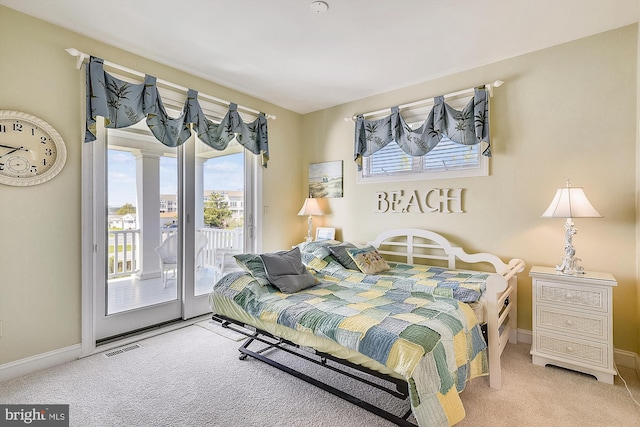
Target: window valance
468,126
124,104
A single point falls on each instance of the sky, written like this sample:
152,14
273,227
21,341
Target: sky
329,169
222,173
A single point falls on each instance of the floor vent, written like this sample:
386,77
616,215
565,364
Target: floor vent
122,350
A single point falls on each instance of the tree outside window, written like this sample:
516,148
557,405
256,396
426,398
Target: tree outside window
216,211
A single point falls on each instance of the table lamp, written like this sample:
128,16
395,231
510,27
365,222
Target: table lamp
570,202
310,208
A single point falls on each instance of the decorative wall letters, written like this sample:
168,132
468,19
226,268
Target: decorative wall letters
439,200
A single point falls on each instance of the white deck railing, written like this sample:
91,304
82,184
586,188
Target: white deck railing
219,239
124,260
122,252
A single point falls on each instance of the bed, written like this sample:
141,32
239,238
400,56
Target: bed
408,314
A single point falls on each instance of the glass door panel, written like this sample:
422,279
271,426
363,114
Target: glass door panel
219,212
141,283
142,249
167,224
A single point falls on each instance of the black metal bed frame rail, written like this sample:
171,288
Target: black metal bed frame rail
273,342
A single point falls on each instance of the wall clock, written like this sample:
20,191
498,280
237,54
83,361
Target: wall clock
31,151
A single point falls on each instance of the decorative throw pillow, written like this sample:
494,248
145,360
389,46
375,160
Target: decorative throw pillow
286,271
340,253
319,249
253,264
368,260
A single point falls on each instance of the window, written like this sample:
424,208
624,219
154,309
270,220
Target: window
447,160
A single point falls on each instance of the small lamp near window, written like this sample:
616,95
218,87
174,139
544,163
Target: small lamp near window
570,202
310,208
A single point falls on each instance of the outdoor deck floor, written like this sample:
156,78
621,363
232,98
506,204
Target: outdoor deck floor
128,293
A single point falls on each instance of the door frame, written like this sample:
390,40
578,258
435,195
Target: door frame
194,305
93,268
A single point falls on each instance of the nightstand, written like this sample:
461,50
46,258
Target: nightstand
573,321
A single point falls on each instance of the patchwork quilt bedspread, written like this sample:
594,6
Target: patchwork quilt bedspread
462,285
431,340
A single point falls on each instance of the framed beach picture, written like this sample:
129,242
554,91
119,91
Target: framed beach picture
325,233
325,179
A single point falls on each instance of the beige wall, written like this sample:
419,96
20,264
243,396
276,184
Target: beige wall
40,226
637,192
564,112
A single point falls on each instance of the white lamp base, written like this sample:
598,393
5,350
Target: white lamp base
569,260
309,226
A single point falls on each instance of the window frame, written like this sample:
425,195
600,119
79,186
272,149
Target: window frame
415,116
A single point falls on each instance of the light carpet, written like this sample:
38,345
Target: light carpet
218,329
193,377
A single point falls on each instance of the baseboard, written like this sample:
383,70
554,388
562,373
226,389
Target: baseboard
53,358
39,362
625,358
525,336
628,359
21,367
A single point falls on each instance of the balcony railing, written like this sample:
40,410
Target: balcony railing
124,246
122,252
219,239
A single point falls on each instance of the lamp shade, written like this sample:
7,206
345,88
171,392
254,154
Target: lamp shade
571,202
311,207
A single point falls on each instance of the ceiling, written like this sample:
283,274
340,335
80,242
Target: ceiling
283,52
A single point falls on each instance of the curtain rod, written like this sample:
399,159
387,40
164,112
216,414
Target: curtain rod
82,56
488,86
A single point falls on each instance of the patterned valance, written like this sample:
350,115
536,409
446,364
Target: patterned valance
124,104
469,126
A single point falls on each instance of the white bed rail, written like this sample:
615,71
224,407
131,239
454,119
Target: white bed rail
412,245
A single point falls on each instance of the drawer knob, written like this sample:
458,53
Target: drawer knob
569,349
570,323
569,296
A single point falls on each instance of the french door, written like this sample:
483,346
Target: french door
159,217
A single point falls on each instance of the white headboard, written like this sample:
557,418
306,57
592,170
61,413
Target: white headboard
414,246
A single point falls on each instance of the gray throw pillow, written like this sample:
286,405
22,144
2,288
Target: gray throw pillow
340,253
286,271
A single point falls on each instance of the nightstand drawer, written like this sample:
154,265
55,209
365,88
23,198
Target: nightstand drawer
572,318
592,353
578,296
589,325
